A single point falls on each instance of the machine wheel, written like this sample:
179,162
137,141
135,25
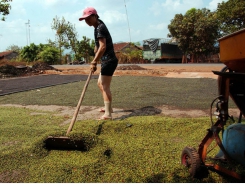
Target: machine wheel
191,160
225,69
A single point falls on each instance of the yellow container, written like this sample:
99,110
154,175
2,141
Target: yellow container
232,50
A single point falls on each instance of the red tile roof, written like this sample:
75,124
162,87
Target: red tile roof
119,46
5,53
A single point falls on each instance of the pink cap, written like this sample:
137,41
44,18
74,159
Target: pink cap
87,12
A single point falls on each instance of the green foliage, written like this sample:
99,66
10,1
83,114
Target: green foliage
196,31
137,43
131,54
136,54
59,26
85,48
4,8
46,53
30,53
67,38
231,15
65,33
49,55
147,151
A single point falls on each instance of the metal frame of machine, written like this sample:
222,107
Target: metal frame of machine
231,83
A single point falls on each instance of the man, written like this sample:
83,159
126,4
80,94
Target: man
104,51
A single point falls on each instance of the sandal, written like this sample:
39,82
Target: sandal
103,110
104,118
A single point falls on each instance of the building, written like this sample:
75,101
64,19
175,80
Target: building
124,52
8,55
125,47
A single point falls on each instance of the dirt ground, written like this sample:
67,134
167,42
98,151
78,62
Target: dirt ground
176,71
92,112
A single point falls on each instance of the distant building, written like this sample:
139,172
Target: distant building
124,47
8,55
124,50
161,50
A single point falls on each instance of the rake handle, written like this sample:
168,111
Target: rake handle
79,104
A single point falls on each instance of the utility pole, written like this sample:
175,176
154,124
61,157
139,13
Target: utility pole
128,21
28,38
29,32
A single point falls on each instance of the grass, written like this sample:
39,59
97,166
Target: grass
137,92
137,149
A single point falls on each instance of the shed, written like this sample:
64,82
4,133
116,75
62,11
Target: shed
8,55
125,47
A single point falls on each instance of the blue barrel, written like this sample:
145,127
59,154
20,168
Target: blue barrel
234,142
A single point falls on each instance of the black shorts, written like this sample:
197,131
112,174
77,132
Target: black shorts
108,68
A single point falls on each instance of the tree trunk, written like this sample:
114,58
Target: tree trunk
184,59
192,58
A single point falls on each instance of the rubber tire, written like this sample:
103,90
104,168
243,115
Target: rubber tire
225,69
190,158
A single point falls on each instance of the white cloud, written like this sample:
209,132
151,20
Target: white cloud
181,6
214,3
106,10
41,29
17,10
161,26
13,26
58,2
102,5
113,17
50,2
156,8
173,4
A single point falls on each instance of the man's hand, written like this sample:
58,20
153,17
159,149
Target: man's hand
93,66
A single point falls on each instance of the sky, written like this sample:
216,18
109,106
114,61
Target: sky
127,20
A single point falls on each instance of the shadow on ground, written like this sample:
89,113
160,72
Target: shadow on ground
144,111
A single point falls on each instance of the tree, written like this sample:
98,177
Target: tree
49,55
30,53
4,8
15,48
71,36
60,27
196,31
67,38
231,15
137,44
41,52
85,48
133,54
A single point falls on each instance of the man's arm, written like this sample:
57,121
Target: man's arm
95,49
99,51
